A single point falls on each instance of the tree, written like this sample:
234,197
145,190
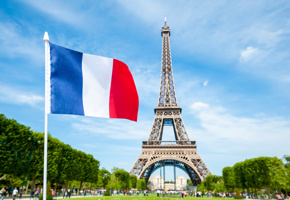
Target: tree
104,178
274,173
14,148
253,173
266,172
221,186
81,175
132,181
287,172
141,184
20,156
115,169
48,193
238,195
107,193
114,183
229,178
287,160
189,183
211,181
201,186
258,173
123,178
239,176
35,170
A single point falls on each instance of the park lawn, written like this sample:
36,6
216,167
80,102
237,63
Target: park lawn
120,197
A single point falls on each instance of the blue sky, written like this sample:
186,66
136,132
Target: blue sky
230,62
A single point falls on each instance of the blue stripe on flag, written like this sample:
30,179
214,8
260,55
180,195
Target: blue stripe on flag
66,81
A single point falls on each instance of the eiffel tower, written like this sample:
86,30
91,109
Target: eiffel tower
180,153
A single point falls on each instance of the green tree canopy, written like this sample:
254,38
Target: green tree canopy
257,173
211,181
141,184
19,145
229,178
132,181
239,175
287,171
104,178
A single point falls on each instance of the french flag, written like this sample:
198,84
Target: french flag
90,85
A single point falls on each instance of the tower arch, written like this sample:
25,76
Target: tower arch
180,163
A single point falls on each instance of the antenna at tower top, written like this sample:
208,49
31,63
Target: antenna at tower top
165,19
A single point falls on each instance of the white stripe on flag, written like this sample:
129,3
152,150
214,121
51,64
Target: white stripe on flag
97,75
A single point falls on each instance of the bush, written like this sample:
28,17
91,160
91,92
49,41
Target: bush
238,195
48,193
107,193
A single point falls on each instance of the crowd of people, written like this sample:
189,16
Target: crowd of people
15,192
10,192
243,195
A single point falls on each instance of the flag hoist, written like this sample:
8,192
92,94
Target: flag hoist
46,111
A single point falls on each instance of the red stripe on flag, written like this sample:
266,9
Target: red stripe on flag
124,101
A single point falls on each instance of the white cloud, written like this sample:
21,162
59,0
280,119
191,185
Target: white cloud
14,44
56,10
116,129
226,133
13,95
199,106
248,53
224,138
219,37
205,83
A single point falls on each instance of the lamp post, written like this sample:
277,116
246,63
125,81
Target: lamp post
30,154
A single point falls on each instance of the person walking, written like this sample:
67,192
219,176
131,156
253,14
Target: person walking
3,193
10,191
31,194
36,194
63,195
52,192
68,193
15,193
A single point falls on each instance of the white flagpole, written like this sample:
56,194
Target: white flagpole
47,107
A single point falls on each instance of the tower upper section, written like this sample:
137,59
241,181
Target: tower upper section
167,96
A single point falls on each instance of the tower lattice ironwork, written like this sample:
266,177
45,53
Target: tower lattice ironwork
180,153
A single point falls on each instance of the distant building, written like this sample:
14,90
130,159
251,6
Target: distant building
157,182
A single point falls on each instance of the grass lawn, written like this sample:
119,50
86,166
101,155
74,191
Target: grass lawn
141,197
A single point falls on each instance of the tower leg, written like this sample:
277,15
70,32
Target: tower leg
164,172
174,175
160,176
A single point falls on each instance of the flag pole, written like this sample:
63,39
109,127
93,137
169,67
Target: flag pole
47,108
